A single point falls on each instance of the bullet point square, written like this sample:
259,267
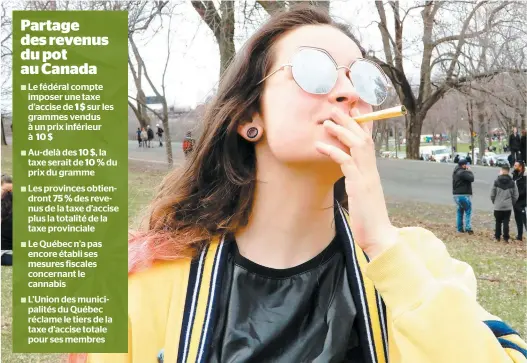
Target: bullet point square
22,189
23,153
23,300
23,244
23,87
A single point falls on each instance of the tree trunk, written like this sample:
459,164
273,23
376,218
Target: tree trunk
377,137
142,114
453,136
480,107
523,117
4,141
397,140
414,125
168,139
471,127
386,137
225,36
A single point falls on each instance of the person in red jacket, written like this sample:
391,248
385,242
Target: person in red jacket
188,143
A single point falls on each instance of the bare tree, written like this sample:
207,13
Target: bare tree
273,6
140,21
470,113
442,44
496,63
381,130
222,26
141,16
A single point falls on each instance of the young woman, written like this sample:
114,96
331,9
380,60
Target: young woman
289,264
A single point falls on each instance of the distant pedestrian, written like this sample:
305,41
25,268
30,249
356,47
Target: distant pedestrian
188,144
519,175
511,160
150,134
160,132
468,159
456,159
144,137
504,194
138,132
515,144
462,179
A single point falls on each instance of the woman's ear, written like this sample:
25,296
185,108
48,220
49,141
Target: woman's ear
253,130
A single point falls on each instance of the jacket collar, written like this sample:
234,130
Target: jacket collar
204,288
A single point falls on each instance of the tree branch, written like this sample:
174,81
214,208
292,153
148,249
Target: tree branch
385,34
488,26
168,57
144,105
135,109
156,11
271,6
462,40
398,35
142,65
209,14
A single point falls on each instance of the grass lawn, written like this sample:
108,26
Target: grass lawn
500,268
461,147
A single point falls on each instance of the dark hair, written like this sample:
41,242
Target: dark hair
7,205
522,165
506,168
213,192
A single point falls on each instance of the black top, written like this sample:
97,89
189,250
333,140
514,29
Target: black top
514,142
520,180
462,181
299,314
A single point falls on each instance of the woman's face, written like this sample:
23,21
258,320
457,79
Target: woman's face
292,117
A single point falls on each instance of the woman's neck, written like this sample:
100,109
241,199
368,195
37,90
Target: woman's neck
292,218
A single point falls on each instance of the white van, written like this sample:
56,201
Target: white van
436,152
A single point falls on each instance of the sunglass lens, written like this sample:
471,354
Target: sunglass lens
369,82
314,71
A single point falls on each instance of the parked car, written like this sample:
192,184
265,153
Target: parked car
435,153
502,159
489,159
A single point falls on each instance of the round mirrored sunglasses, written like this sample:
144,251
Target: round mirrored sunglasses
316,72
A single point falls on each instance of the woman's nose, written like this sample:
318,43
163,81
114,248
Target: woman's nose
344,91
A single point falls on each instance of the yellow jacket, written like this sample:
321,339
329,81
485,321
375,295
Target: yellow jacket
428,312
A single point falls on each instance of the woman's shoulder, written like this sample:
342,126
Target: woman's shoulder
156,284
159,271
153,260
